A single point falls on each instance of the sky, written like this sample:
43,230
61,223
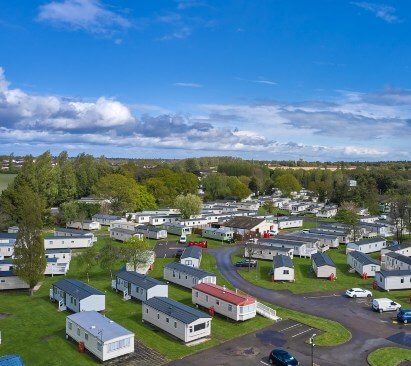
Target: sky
323,80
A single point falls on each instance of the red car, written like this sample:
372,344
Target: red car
201,244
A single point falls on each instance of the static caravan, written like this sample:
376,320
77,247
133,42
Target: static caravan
218,234
404,249
289,223
177,319
267,252
377,228
84,225
396,261
7,242
177,229
394,280
187,276
62,255
138,217
55,268
299,247
101,336
123,224
226,302
74,232
310,242
9,281
68,242
195,223
6,264
156,220
367,245
362,263
244,225
344,235
123,234
323,240
77,296
137,286
192,256
283,268
152,232
323,266
105,220
326,212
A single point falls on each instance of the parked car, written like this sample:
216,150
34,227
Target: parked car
282,358
385,304
273,232
358,292
183,239
246,263
179,252
404,316
201,244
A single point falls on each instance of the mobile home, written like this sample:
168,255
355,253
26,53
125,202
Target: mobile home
10,281
177,229
105,220
74,233
283,268
84,225
231,304
394,280
68,242
177,319
218,234
187,276
367,245
266,252
152,232
362,263
123,234
323,266
100,336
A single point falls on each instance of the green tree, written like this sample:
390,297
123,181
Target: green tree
347,214
108,258
215,186
287,183
86,172
238,190
87,259
136,251
47,178
189,205
66,179
123,193
29,253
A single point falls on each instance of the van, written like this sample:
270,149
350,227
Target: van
385,305
183,239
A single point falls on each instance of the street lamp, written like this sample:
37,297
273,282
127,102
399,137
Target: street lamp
312,348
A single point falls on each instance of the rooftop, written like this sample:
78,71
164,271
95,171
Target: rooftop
225,294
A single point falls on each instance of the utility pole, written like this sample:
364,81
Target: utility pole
312,348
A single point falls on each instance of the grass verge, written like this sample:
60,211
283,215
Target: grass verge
389,356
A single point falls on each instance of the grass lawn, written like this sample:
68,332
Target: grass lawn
305,280
389,356
5,179
35,329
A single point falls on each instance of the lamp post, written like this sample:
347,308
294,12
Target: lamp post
312,348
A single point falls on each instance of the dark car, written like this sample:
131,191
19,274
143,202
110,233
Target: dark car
404,316
282,358
179,252
246,263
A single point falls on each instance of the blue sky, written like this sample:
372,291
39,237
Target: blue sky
279,79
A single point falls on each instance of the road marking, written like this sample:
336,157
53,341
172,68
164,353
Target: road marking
305,331
295,325
317,297
264,363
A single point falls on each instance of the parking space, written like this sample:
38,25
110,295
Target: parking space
167,249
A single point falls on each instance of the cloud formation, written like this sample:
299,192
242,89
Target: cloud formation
360,126
86,15
384,12
190,85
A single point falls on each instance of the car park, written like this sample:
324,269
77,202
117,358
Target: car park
358,292
246,263
404,316
282,358
385,304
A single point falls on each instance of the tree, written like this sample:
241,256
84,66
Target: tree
348,215
136,251
88,258
108,257
250,250
29,253
188,205
123,193
215,186
66,179
287,183
238,190
399,217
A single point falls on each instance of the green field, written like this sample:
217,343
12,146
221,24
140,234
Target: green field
305,280
5,179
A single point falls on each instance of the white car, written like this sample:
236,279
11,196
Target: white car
358,292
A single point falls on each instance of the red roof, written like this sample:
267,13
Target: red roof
224,294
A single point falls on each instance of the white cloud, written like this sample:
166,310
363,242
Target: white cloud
190,85
87,15
384,12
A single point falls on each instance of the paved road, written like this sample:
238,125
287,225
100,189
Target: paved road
370,330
